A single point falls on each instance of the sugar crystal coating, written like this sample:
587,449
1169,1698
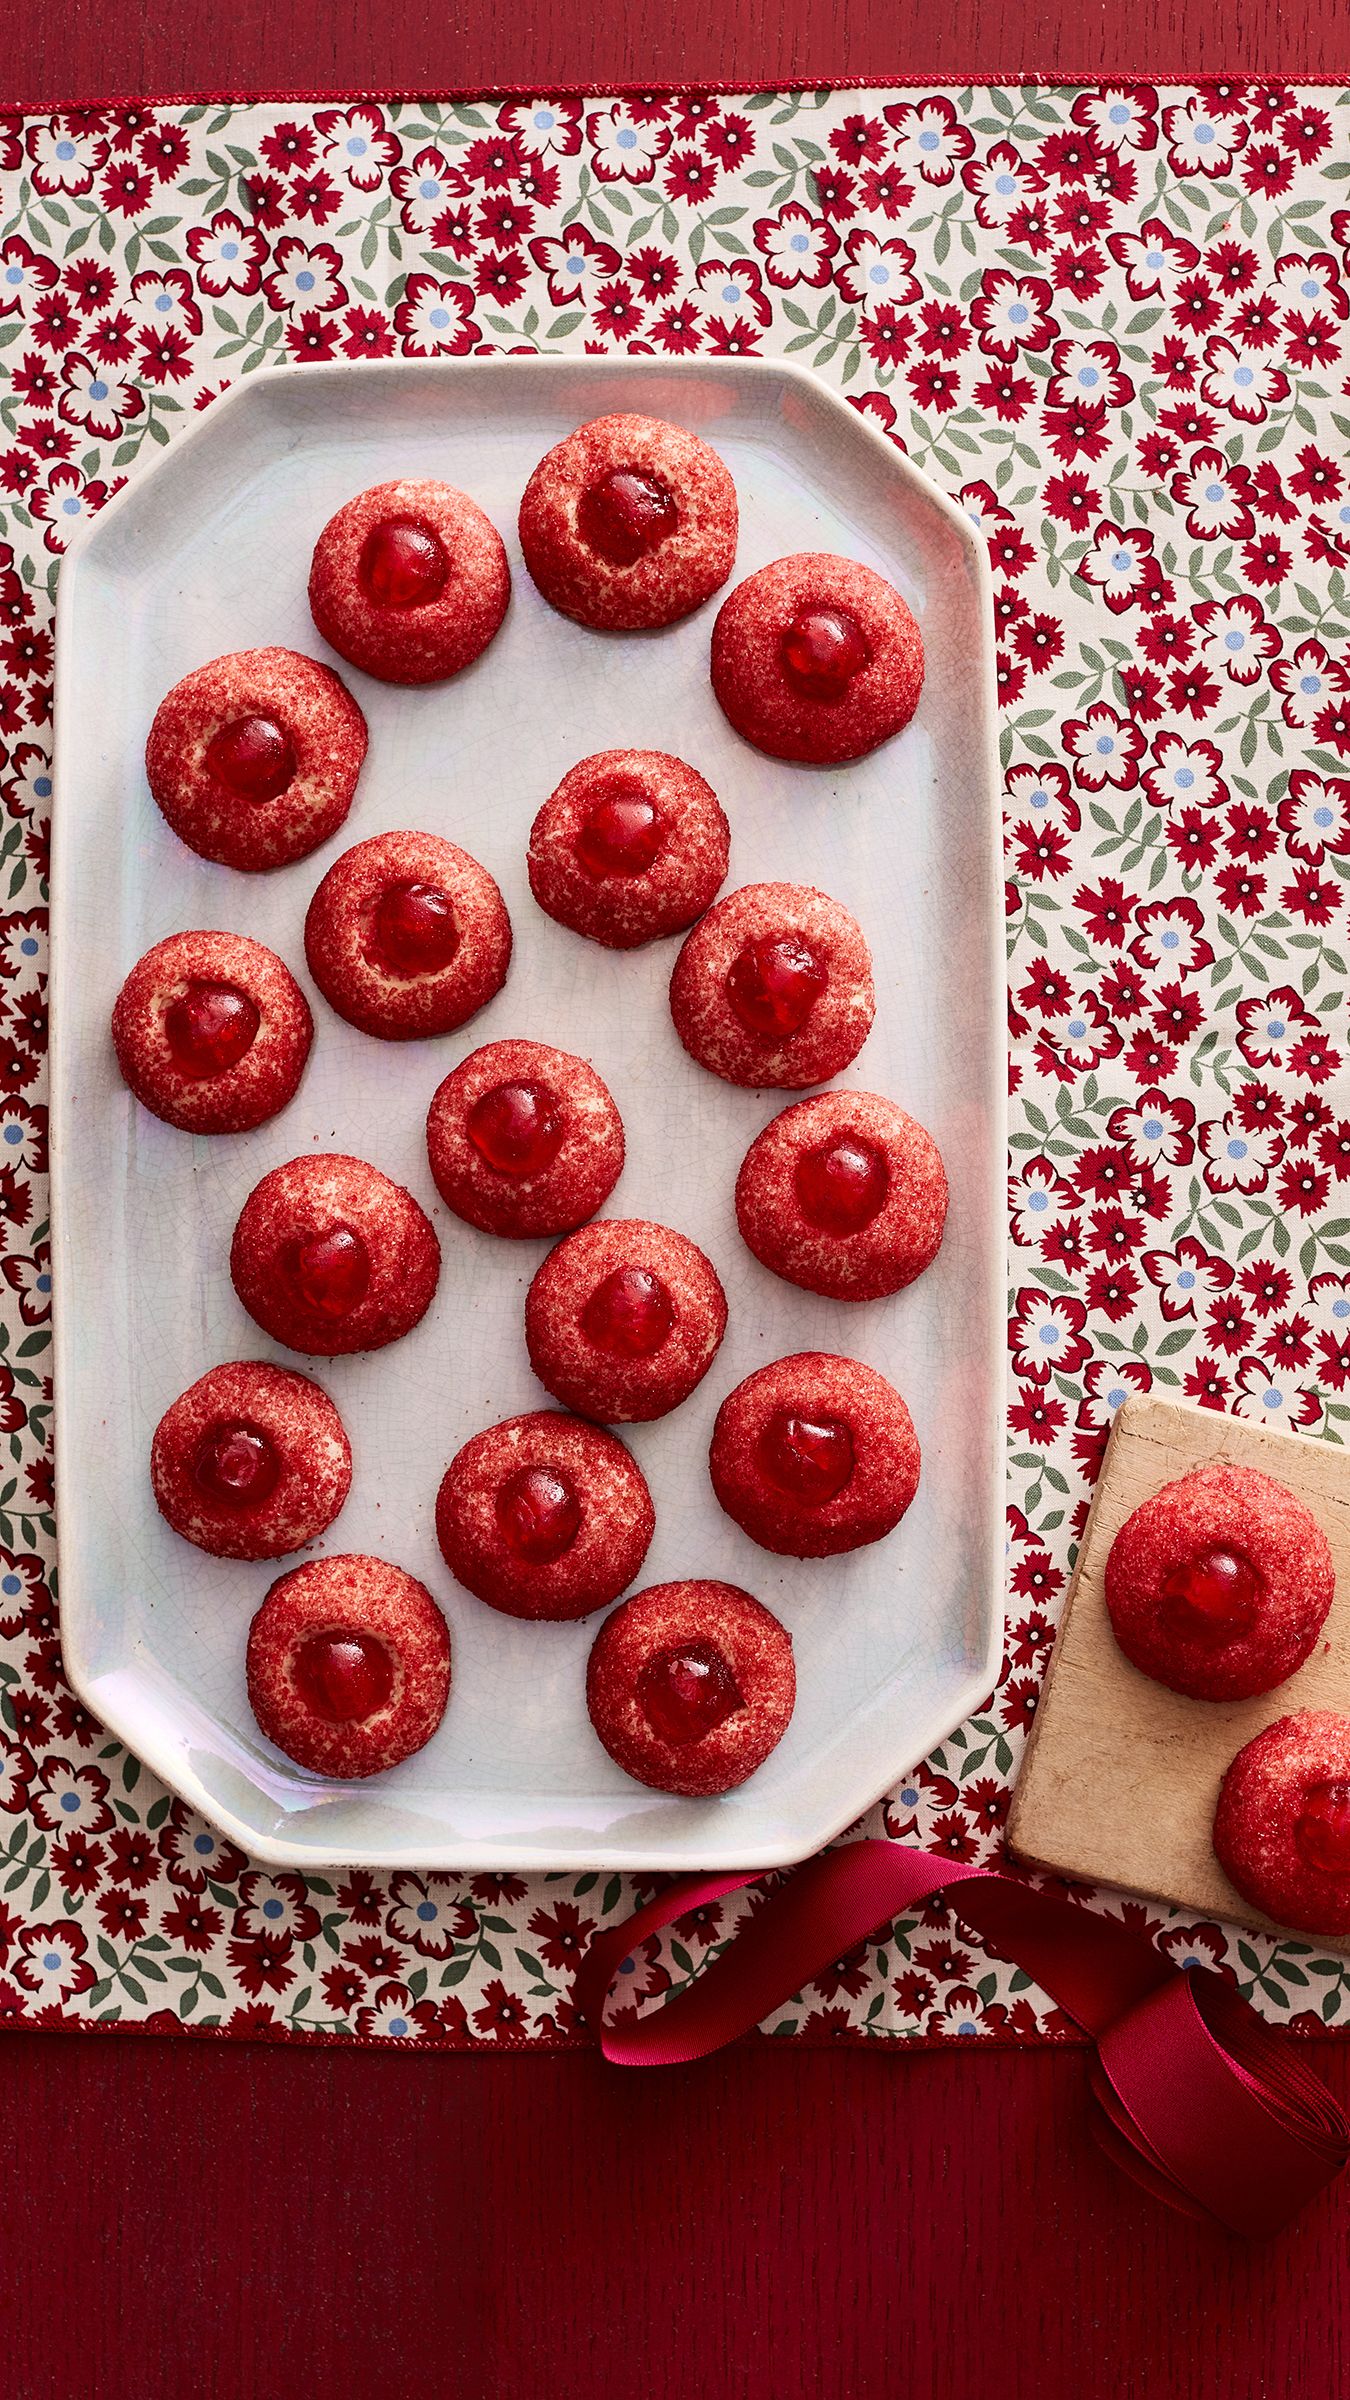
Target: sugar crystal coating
629,523
211,1032
816,658
253,758
690,1686
348,1665
1218,1584
409,580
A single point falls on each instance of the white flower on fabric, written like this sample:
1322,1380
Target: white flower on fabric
1116,114
93,398
1270,1396
1329,1298
1237,639
1185,1278
227,254
305,277
66,156
71,1799
626,151
877,270
1239,1157
1213,497
359,145
930,139
425,190
1119,562
552,126
1241,381
1202,142
1038,1200
1184,774
796,247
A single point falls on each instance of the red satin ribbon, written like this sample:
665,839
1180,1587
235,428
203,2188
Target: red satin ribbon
1202,2102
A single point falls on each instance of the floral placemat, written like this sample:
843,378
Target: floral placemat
1114,322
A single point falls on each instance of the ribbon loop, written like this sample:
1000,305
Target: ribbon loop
1202,2101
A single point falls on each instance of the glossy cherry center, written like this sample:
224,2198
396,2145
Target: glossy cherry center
630,1314
621,834
627,514
688,1691
1213,1597
822,650
403,565
236,1465
539,1515
253,757
1322,1833
344,1676
516,1128
774,983
808,1458
414,930
330,1270
843,1184
209,1027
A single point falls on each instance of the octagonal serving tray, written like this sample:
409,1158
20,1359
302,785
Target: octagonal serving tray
207,550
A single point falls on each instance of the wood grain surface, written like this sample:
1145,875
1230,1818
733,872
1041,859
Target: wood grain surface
1121,1777
80,49
190,2221
195,2221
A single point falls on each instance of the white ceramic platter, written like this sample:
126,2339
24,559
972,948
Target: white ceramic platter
207,551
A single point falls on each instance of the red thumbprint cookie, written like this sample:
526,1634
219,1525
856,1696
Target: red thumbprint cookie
250,1462
817,659
524,1140
407,936
843,1194
348,1665
632,845
1282,1827
623,1319
409,581
544,1516
814,1455
690,1686
1218,1585
629,523
211,1032
329,1256
774,987
253,759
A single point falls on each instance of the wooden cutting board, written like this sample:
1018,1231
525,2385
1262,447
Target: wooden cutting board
1121,1776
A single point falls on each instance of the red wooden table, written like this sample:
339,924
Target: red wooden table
232,2222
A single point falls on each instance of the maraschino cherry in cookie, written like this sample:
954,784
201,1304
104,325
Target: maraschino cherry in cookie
816,658
1219,1584
843,1194
211,1032
409,581
253,759
544,1516
348,1665
1282,1827
774,987
814,1455
623,1319
251,1461
524,1140
690,1686
629,523
329,1256
632,845
407,936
